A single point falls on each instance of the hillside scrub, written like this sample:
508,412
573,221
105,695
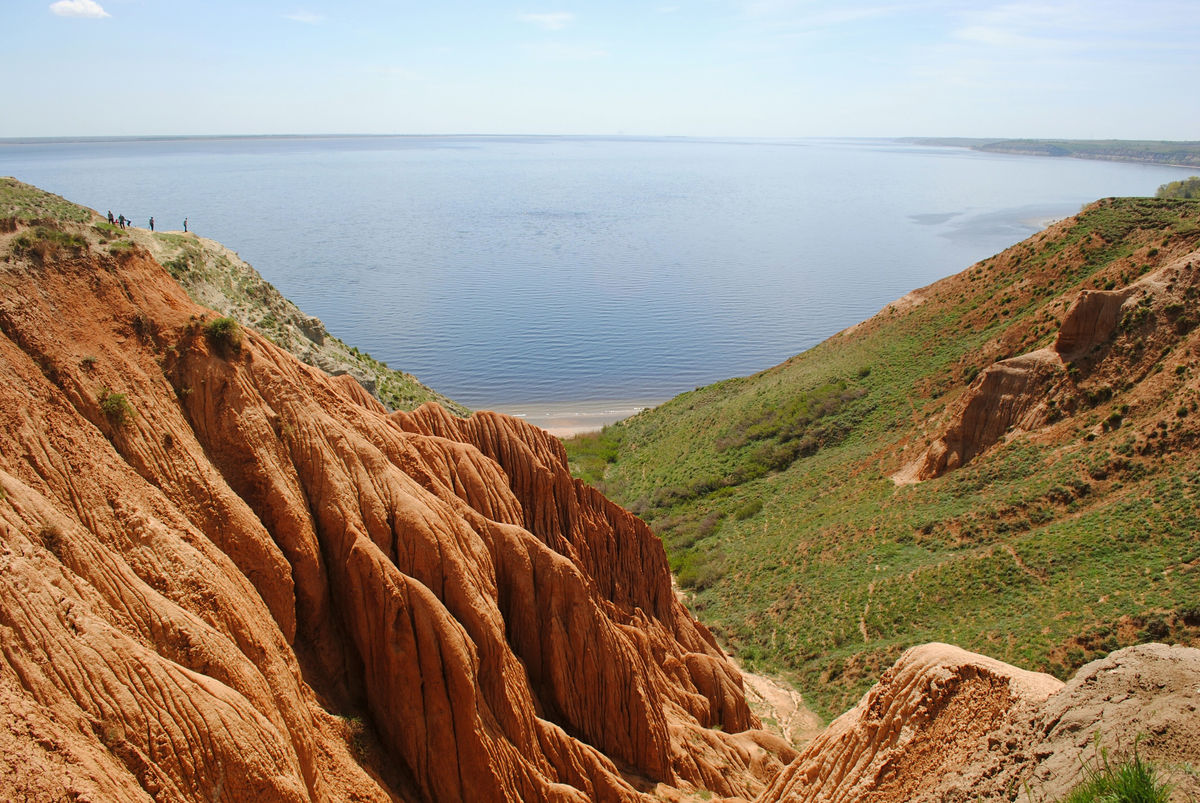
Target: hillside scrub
1051,548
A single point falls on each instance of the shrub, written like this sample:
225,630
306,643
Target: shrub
698,575
143,325
51,537
45,242
708,525
356,737
748,509
1135,317
224,335
1186,188
116,407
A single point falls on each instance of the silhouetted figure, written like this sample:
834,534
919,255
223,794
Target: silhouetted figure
185,225
110,218
151,224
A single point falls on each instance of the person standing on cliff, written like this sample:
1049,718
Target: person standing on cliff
151,224
121,219
185,225
110,218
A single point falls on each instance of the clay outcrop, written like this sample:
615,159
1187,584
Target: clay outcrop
1007,394
944,724
228,575
1106,338
1091,320
923,719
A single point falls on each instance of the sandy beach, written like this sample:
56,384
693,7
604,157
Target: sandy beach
572,418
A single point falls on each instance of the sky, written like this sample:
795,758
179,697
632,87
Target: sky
1084,69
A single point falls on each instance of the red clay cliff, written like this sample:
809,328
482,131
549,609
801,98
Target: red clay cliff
227,575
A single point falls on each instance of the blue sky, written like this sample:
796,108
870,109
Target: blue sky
766,68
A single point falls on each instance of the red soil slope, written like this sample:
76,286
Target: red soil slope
226,575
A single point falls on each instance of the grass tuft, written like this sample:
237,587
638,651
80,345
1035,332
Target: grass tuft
1132,781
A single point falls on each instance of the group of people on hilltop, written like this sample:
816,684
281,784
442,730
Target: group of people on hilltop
124,222
120,220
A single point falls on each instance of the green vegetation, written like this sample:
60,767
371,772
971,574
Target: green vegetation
1188,188
773,494
22,201
106,230
47,242
224,335
1131,781
116,407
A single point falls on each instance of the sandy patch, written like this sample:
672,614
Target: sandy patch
572,418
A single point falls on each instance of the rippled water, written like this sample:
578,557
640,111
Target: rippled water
511,270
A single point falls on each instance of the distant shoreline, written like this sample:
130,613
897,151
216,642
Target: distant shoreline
565,419
1169,153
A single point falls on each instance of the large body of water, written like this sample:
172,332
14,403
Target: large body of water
515,272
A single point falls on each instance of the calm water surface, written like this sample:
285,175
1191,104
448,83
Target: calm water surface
506,271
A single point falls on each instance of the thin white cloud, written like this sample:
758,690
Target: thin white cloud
1012,39
552,21
89,9
307,17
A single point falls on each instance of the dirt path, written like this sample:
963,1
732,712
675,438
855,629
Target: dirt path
1022,565
781,709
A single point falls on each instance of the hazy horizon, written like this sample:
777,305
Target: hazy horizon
531,135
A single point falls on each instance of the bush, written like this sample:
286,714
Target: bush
51,537
1187,188
143,325
708,525
748,509
224,335
46,242
116,407
699,574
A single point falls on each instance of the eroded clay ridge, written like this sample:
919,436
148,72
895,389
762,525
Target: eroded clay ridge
1107,337
947,726
227,575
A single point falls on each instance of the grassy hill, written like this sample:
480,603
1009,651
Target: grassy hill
1073,535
